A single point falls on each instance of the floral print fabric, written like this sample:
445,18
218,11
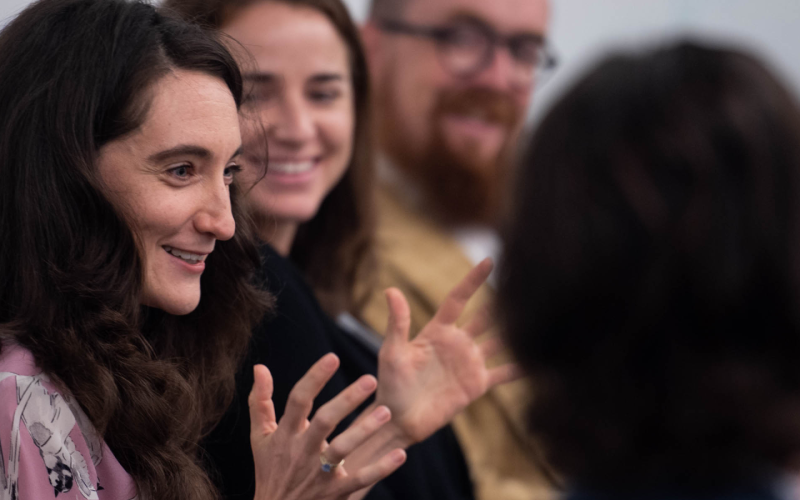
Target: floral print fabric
49,449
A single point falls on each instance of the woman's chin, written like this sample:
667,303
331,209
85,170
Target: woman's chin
295,214
180,305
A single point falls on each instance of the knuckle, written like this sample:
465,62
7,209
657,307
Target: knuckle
297,398
353,395
325,420
334,451
362,478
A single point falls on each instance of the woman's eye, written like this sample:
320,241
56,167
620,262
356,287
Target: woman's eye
231,171
181,171
259,95
324,95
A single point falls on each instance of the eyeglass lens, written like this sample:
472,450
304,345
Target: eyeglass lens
467,48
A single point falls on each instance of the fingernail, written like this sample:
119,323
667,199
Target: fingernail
367,383
330,361
398,456
382,414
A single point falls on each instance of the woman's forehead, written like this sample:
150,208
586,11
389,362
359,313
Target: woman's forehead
278,35
191,107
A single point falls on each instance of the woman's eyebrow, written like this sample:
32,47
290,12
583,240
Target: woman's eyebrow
186,150
181,150
260,77
326,77
237,152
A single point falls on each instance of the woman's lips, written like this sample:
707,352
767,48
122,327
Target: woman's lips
194,262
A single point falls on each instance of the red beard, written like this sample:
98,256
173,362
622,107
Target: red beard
457,185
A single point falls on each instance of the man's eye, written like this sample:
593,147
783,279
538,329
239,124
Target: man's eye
464,37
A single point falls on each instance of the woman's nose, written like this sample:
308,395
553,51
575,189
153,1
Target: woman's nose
293,123
215,216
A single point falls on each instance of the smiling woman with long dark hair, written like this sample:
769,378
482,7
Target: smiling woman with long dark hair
119,145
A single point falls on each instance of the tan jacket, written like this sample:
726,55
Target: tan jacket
417,257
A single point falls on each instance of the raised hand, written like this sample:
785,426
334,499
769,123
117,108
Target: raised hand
287,454
427,381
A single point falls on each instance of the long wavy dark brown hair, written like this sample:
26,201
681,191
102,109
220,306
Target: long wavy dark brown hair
333,249
75,75
651,276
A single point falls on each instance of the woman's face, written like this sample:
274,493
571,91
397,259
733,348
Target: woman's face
171,179
301,92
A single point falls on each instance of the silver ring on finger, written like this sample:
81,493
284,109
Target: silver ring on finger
328,466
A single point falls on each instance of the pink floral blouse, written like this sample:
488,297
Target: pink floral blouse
48,447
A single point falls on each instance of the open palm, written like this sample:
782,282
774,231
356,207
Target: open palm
427,381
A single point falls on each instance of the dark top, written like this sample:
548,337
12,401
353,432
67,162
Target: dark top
745,490
288,342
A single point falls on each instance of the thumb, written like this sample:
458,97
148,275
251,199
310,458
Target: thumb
262,410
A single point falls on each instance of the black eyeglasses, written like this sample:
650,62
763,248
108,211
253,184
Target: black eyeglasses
467,46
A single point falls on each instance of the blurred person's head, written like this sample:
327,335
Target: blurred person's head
307,88
651,272
453,80
118,143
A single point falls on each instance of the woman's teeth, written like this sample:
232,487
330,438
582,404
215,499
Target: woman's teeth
290,167
191,258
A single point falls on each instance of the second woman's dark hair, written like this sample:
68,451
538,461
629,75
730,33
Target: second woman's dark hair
75,75
333,249
652,268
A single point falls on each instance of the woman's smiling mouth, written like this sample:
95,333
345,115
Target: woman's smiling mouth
290,167
188,257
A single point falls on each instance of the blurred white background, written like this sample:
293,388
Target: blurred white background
582,30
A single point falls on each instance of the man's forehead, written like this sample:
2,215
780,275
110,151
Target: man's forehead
506,16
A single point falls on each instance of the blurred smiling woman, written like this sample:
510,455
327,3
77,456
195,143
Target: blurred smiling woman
119,144
308,90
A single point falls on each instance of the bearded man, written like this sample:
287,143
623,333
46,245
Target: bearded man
452,82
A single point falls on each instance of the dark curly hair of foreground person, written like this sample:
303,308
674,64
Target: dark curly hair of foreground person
651,273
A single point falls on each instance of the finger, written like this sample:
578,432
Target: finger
504,373
399,317
262,410
458,297
479,323
491,347
355,435
301,399
331,413
371,474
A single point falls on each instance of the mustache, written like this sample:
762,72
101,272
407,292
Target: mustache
490,105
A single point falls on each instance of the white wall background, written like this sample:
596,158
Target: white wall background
582,30
10,8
